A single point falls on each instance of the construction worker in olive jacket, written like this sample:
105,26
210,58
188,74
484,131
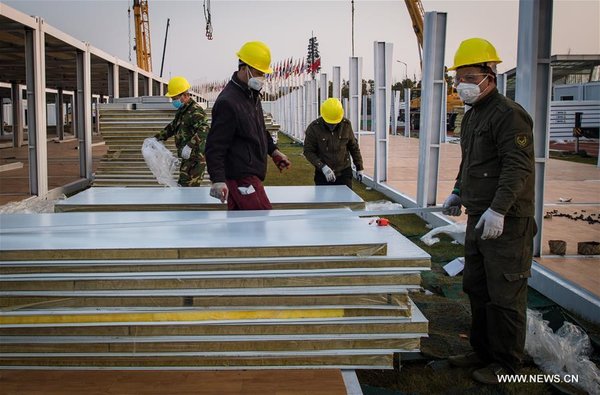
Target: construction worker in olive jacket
495,184
190,129
329,143
238,142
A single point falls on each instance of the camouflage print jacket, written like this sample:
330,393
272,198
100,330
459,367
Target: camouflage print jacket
189,128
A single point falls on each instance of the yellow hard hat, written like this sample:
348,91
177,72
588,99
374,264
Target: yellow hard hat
177,85
256,54
475,51
332,110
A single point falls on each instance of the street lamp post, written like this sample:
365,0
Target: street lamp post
405,69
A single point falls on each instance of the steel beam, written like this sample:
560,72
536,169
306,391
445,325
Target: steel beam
17,111
431,107
381,101
60,123
533,89
84,113
323,88
336,76
113,81
407,112
36,109
355,94
395,110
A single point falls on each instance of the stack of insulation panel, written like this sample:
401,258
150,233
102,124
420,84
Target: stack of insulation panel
206,290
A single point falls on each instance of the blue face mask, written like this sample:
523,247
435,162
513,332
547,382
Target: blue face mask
177,103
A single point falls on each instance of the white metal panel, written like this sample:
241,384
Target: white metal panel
355,94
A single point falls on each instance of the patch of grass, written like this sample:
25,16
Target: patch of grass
573,157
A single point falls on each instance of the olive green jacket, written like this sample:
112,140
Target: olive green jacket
497,167
325,147
189,128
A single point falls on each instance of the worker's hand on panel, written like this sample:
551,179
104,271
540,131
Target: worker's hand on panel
281,160
452,205
186,152
493,224
329,174
219,191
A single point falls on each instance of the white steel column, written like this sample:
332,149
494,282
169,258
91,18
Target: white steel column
443,114
150,86
35,71
337,91
533,89
406,112
113,81
307,104
323,88
84,112
17,111
294,113
501,83
301,111
365,110
355,94
136,83
381,107
431,107
60,124
395,111
314,97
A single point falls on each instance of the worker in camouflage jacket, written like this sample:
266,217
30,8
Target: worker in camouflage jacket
190,129
495,184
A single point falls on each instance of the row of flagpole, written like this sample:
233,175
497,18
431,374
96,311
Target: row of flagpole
287,74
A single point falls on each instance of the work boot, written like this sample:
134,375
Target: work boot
489,374
468,360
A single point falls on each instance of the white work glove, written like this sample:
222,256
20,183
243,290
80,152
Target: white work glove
186,152
329,174
359,175
219,191
452,205
493,224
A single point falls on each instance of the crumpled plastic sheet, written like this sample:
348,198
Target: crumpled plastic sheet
457,231
565,352
161,162
382,205
34,205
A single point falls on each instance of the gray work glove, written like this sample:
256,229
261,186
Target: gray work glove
452,205
219,191
186,152
493,224
329,174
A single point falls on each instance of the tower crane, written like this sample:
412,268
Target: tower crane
142,34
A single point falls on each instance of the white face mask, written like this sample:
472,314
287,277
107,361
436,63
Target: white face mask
255,83
468,93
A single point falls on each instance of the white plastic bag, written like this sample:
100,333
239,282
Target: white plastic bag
161,162
382,205
565,352
33,205
457,231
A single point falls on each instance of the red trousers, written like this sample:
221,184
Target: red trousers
247,193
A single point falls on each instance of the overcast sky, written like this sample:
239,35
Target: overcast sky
286,27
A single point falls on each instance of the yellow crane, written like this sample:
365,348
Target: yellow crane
417,15
142,35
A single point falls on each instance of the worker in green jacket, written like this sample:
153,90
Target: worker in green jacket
190,129
329,143
495,184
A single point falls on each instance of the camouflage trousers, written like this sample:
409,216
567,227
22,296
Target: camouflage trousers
191,172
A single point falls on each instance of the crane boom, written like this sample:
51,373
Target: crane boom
142,34
417,15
